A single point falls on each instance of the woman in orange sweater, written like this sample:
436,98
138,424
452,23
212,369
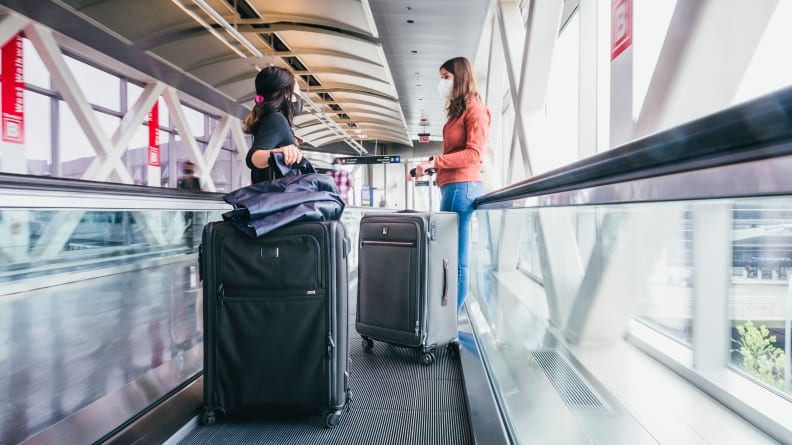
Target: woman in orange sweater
459,167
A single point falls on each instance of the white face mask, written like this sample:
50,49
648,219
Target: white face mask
336,167
446,88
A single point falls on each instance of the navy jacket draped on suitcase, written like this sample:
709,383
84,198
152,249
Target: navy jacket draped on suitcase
263,207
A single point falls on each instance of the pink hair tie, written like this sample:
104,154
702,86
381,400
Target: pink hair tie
259,99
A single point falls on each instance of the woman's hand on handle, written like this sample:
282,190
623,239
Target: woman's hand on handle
420,170
291,154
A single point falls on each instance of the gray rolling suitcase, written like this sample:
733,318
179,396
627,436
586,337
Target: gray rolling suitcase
275,321
407,280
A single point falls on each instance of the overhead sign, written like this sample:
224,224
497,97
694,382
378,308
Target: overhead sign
423,137
621,26
350,160
13,91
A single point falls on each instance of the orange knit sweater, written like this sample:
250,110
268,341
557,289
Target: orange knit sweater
464,139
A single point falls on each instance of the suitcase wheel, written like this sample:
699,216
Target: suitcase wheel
208,418
348,401
453,348
427,358
368,344
331,419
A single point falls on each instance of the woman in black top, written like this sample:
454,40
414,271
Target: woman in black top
270,121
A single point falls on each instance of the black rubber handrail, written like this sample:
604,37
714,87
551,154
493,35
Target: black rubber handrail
48,183
751,131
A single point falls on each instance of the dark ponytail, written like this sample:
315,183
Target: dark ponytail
275,85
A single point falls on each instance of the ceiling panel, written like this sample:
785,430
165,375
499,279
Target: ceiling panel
440,30
348,14
315,42
332,46
370,63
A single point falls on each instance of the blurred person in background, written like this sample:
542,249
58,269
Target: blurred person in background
342,179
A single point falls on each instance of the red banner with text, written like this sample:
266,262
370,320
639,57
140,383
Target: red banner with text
13,91
154,148
621,26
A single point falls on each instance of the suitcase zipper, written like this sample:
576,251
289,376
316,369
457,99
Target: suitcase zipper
388,243
330,345
265,295
220,296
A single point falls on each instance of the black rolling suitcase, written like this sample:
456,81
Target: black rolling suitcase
407,280
275,321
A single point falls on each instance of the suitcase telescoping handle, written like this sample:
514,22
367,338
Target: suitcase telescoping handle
444,301
430,172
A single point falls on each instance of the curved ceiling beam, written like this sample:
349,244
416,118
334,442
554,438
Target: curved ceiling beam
331,139
347,72
359,116
269,55
383,131
327,140
392,125
313,135
349,88
314,132
369,101
299,23
188,30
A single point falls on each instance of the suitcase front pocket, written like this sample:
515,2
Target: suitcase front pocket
282,264
272,354
387,283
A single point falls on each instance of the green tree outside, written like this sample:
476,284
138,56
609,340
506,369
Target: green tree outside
761,358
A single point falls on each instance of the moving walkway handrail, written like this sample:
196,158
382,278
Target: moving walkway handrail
48,183
752,131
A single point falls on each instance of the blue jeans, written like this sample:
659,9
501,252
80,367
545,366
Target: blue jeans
458,197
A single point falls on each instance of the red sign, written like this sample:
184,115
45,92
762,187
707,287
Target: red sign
423,137
154,148
13,91
621,26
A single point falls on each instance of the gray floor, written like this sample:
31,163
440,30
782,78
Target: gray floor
395,400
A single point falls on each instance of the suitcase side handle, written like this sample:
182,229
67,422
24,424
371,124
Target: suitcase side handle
444,301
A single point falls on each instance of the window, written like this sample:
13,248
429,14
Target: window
38,144
195,120
100,87
558,130
650,24
666,305
760,301
221,172
771,68
35,71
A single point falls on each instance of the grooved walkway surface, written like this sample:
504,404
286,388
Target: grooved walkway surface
395,400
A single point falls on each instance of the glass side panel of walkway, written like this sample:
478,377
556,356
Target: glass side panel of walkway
109,323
